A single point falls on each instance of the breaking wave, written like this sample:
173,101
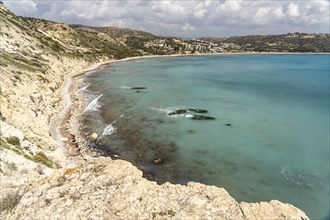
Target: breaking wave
83,89
124,87
94,105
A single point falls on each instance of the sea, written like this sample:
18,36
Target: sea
254,124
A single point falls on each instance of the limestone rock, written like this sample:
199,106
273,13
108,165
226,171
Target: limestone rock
114,189
272,210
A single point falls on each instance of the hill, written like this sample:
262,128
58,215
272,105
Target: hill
291,42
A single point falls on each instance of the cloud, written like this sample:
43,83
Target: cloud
293,10
187,18
187,27
23,7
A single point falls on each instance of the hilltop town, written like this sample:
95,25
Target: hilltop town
291,42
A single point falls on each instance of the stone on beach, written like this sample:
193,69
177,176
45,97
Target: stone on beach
94,136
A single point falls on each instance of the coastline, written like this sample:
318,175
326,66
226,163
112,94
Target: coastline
65,126
106,188
44,168
59,124
60,128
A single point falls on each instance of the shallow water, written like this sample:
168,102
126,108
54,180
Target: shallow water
270,138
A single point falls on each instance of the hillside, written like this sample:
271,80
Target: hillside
291,42
42,178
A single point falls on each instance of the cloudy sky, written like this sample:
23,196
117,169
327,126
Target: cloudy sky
186,18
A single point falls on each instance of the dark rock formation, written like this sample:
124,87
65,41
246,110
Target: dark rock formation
198,110
202,117
138,88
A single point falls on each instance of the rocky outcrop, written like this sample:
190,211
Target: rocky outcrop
114,189
270,210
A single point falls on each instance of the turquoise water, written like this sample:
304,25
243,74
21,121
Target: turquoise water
270,138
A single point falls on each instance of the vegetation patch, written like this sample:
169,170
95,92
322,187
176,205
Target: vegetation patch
42,158
13,140
169,213
4,144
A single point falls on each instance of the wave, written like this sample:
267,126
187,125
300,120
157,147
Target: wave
301,177
109,130
81,80
124,87
94,105
83,89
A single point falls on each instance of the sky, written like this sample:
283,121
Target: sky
186,18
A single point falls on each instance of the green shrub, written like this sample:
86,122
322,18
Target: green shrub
4,144
16,150
28,157
42,158
13,140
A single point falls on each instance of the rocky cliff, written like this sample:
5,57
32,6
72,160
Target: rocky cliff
39,180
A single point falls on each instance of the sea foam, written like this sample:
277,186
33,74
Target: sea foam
124,87
83,89
301,177
109,130
168,110
94,105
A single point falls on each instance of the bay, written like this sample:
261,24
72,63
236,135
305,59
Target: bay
269,139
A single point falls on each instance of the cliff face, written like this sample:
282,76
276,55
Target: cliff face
33,64
38,181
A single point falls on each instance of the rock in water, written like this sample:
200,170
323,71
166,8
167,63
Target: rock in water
198,110
202,117
139,88
178,112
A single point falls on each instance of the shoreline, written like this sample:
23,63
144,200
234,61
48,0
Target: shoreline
60,122
62,127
